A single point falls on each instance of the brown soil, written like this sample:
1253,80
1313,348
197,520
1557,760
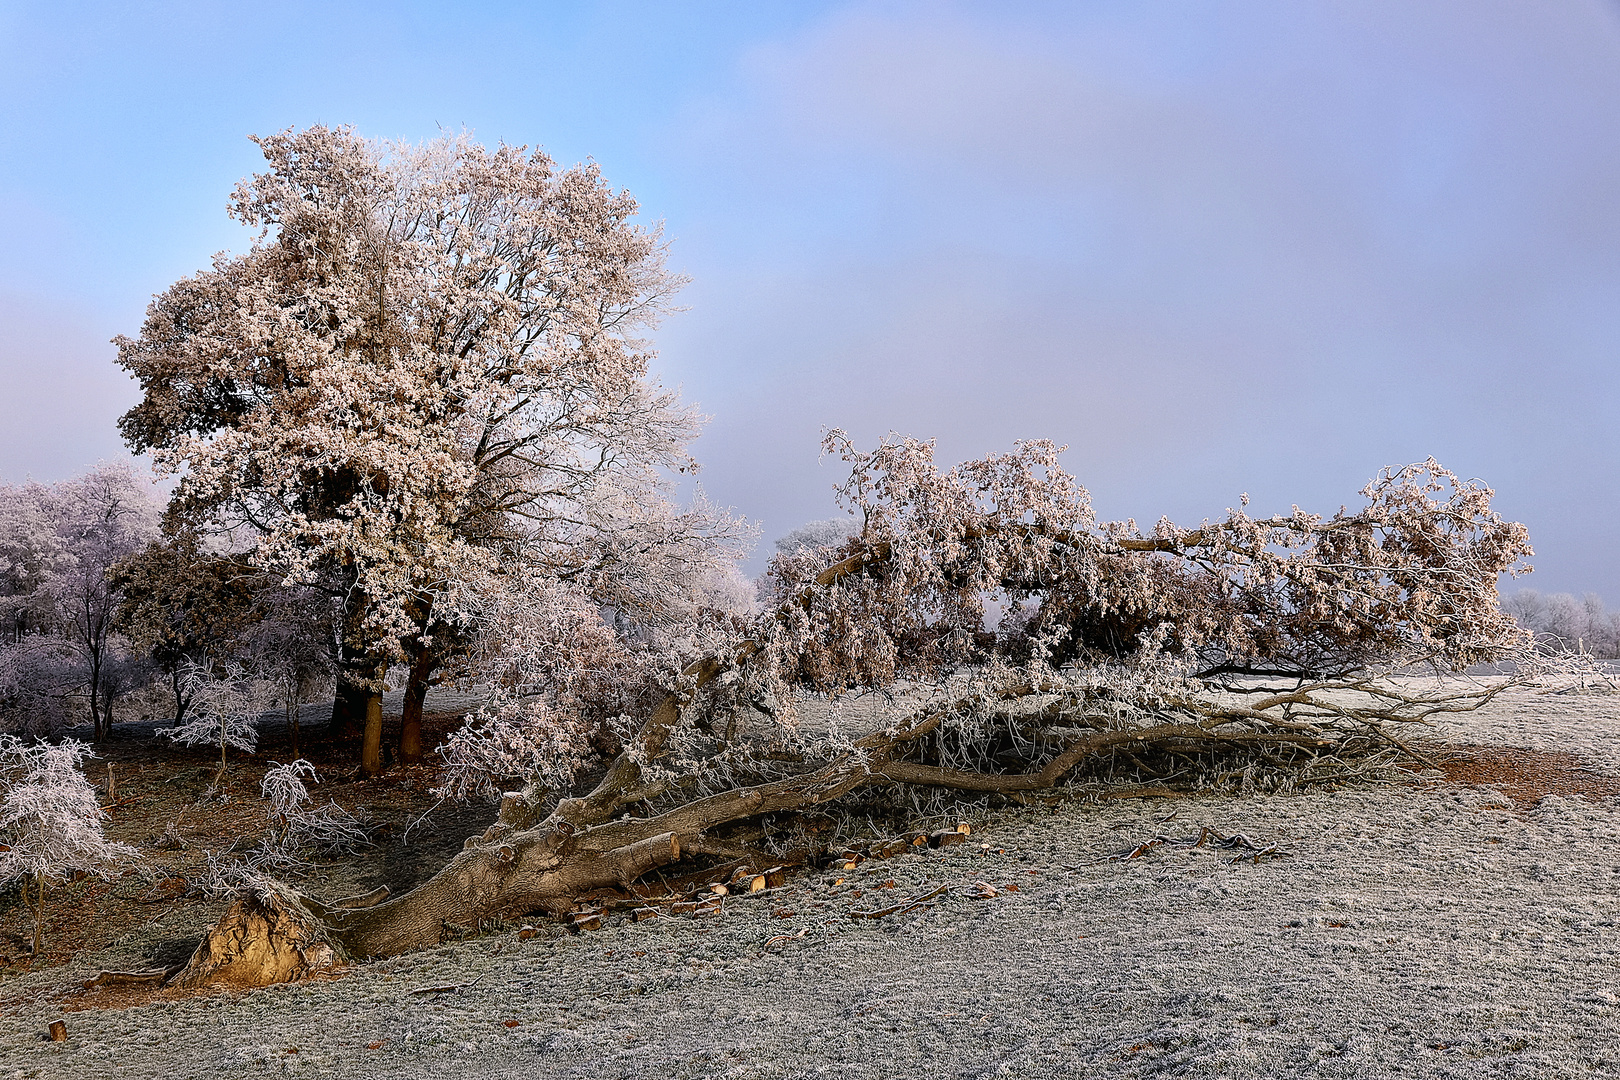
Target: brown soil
160,785
1525,776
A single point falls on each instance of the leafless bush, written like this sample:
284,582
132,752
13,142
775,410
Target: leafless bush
50,820
297,825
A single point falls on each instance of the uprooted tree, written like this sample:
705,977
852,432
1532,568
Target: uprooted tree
1281,650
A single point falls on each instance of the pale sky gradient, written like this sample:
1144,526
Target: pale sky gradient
1213,247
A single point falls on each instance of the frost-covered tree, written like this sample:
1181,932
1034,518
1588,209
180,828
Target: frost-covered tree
1244,651
827,533
225,705
58,543
292,647
50,823
187,608
425,371
1562,621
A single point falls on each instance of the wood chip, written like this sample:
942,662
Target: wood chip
782,939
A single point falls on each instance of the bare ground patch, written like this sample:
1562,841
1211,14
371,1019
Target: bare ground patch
1525,775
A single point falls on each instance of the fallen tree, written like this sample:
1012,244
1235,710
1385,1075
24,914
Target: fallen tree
1243,653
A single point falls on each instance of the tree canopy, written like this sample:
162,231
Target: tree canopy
425,373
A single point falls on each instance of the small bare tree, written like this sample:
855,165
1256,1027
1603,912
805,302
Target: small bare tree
50,823
58,543
226,706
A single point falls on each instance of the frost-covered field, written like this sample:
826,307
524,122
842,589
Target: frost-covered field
1433,931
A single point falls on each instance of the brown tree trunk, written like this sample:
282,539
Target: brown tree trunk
39,912
410,728
371,748
292,726
523,864
349,707
182,700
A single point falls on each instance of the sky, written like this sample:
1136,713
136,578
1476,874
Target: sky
1212,247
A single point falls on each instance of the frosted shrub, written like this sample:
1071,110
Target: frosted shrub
41,684
297,826
813,535
50,821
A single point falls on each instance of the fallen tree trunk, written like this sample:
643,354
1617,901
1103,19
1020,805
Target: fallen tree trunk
522,865
1145,649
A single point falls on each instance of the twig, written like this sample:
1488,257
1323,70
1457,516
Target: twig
406,835
1253,851
783,939
448,988
904,906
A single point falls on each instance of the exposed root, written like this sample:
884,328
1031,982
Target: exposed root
265,937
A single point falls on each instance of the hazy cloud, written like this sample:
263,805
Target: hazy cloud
1271,252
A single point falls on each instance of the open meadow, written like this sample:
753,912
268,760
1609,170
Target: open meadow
1463,924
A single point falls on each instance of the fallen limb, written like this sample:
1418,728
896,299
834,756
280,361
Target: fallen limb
147,977
911,903
1245,653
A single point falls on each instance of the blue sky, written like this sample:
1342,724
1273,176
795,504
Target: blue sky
1212,247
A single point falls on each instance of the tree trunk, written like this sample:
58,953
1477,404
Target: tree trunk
292,725
349,705
357,671
39,912
182,700
96,724
410,728
522,864
371,749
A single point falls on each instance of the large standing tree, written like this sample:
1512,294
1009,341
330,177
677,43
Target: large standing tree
424,374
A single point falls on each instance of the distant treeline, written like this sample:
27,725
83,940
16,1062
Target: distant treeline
1579,623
